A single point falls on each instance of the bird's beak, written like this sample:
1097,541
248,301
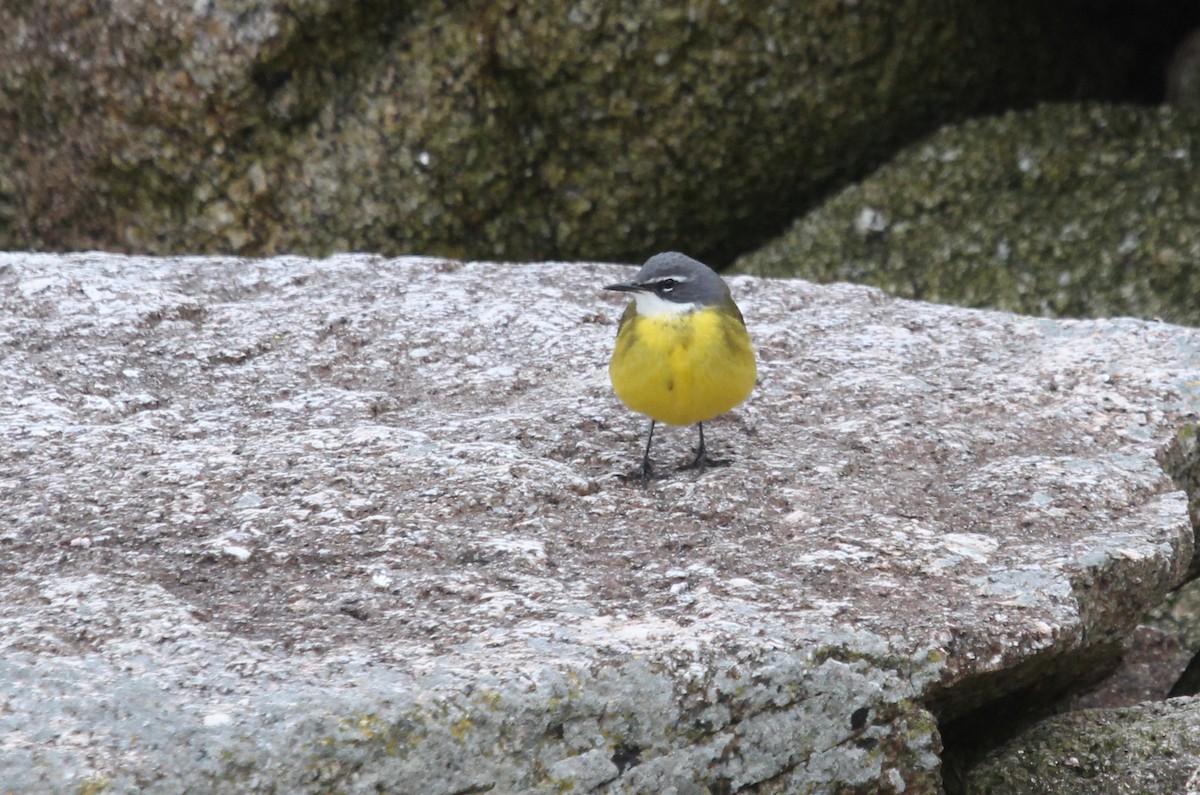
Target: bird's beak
626,287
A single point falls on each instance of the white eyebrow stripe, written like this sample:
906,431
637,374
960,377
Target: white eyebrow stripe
660,279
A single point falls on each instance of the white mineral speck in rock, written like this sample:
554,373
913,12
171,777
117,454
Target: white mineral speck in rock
870,220
975,546
31,287
248,500
240,553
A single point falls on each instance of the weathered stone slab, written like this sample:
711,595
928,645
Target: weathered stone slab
331,526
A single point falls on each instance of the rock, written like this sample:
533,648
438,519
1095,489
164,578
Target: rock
1161,660
1183,74
1149,669
1149,748
496,129
447,587
1061,210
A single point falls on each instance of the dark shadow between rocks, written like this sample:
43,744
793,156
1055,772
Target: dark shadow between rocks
982,713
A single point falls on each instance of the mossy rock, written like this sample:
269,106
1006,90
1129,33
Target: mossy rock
1066,210
1149,748
494,130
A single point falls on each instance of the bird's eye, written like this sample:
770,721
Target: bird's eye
667,285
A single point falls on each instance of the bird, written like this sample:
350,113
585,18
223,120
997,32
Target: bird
683,355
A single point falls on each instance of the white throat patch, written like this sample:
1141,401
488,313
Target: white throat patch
650,305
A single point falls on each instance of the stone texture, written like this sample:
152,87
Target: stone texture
498,129
1061,210
1150,748
343,525
1183,74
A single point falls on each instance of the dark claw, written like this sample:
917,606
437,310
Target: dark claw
701,460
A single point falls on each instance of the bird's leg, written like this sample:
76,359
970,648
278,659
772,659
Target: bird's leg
702,461
647,471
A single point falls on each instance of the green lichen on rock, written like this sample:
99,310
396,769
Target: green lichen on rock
1149,748
96,785
1071,210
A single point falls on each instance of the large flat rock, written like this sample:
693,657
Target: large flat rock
344,525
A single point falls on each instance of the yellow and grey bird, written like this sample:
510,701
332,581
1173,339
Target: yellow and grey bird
683,354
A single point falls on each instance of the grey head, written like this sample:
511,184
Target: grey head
678,279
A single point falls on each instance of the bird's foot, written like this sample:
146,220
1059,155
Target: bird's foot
702,462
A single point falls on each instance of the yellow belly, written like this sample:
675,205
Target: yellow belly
683,369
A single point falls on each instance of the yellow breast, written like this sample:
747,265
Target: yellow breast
682,368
